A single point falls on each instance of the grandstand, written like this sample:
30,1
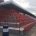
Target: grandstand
12,16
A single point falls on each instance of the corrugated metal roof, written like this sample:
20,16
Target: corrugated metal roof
13,5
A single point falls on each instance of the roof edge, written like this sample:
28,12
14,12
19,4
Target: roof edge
11,5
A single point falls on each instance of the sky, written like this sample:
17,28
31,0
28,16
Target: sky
25,3
29,5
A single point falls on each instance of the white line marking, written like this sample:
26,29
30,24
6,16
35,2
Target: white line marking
27,25
13,28
9,22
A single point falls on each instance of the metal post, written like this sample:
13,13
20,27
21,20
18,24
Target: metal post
5,30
